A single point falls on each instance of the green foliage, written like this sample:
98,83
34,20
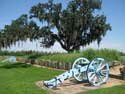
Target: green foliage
21,78
90,53
35,55
122,59
66,58
25,54
18,53
109,55
122,53
19,30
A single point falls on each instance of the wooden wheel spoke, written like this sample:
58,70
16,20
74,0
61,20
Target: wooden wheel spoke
79,75
100,77
104,72
90,74
91,78
101,67
95,79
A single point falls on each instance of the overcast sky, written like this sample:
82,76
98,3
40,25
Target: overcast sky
113,9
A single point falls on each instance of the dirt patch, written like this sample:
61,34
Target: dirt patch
71,86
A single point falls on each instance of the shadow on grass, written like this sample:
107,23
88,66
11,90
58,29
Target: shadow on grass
15,65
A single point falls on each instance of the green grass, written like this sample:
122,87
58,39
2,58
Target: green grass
21,78
112,90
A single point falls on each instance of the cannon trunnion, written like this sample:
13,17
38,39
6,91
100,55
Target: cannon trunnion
96,72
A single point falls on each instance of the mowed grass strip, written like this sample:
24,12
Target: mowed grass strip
112,90
20,78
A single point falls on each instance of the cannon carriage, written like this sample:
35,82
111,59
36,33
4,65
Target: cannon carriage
95,72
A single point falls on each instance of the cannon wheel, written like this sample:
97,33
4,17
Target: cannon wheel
98,72
80,62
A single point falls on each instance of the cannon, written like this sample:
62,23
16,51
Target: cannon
95,72
11,59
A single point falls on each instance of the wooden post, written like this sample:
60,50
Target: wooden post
122,71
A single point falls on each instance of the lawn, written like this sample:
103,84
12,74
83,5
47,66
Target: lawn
112,90
20,78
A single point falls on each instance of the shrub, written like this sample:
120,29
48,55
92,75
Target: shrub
107,54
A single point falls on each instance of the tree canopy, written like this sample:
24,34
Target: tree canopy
79,24
19,30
